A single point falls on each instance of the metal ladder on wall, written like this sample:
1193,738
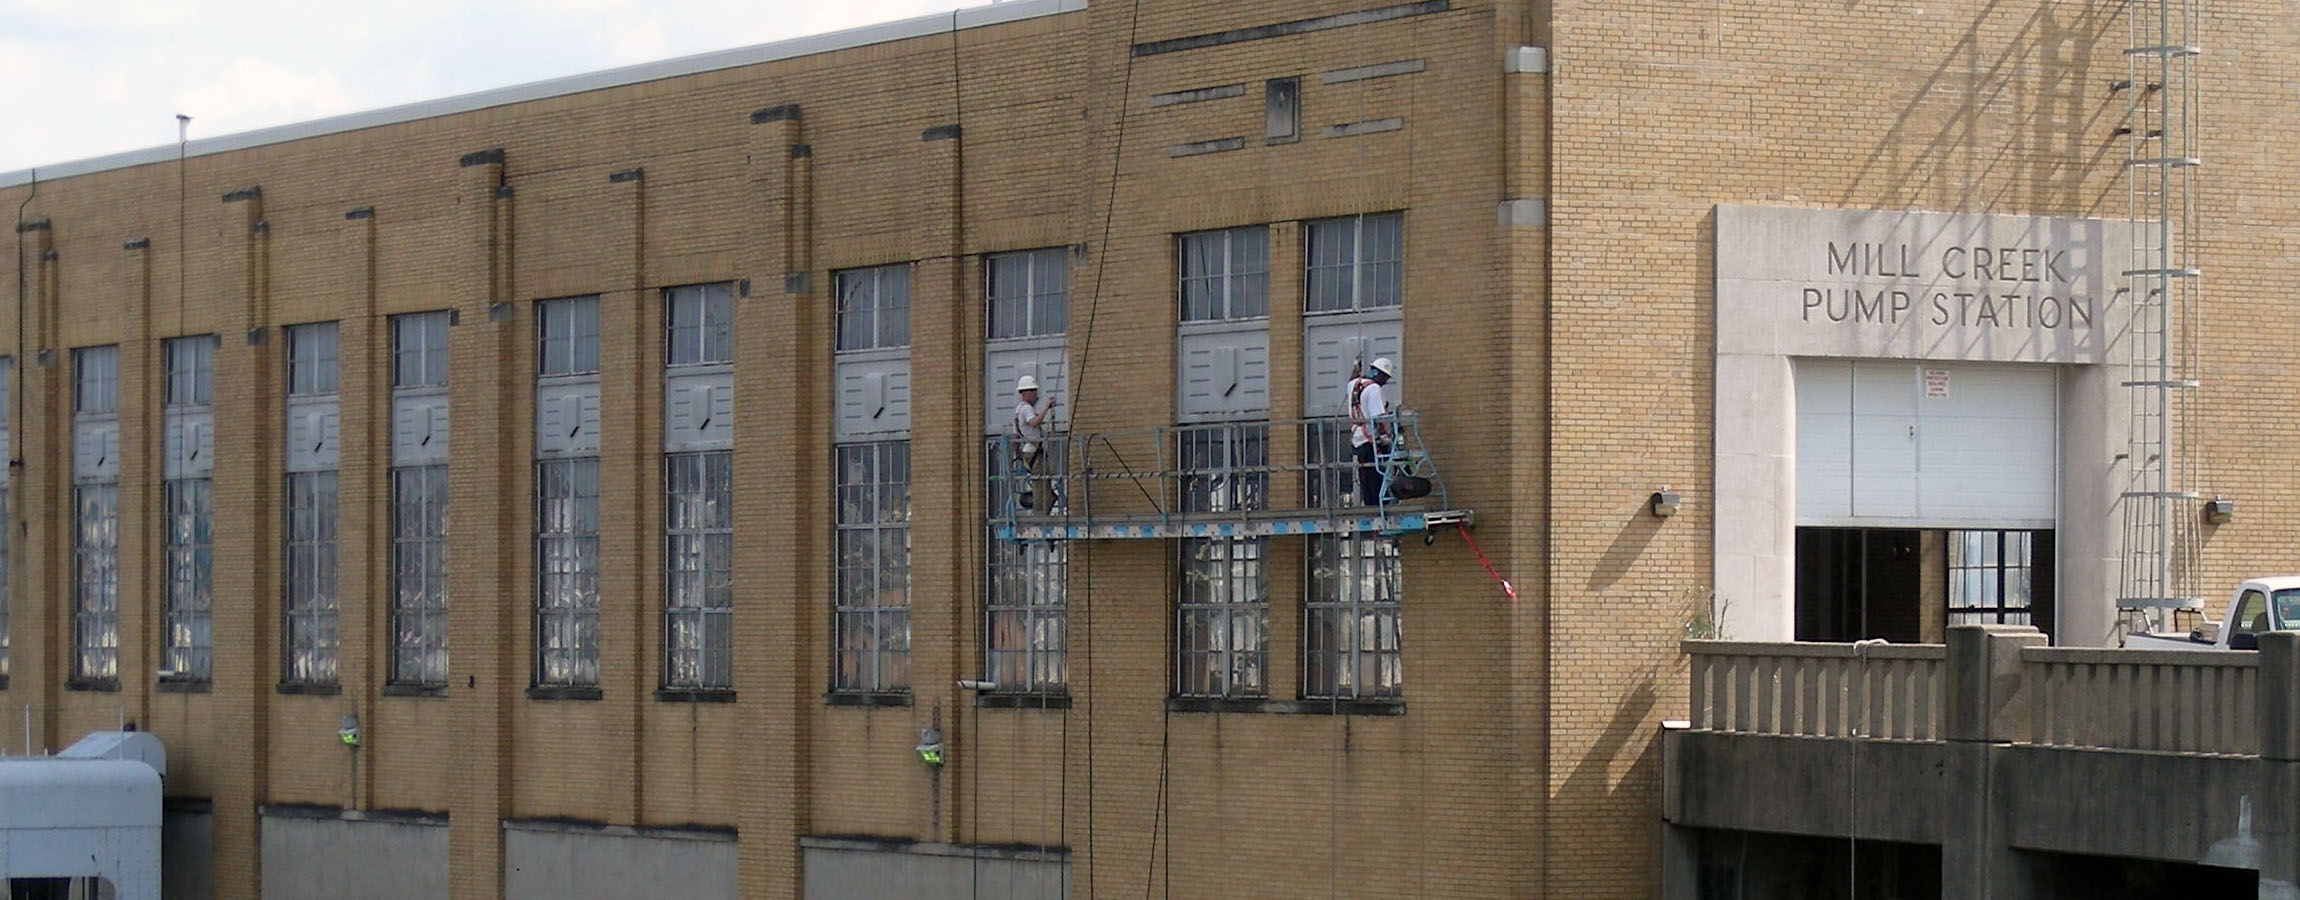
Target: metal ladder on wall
2161,505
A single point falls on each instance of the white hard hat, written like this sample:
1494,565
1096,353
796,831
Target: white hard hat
1384,366
1026,383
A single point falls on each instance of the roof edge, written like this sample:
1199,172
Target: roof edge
883,32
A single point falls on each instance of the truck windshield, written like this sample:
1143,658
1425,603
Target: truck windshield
2287,606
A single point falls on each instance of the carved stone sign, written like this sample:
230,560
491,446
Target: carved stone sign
1919,285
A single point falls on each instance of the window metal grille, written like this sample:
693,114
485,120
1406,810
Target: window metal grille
699,565
871,618
96,585
1029,293
311,634
312,357
1225,274
567,572
1350,643
419,575
567,333
1990,577
419,350
1355,263
1221,645
874,308
699,325
1026,603
189,639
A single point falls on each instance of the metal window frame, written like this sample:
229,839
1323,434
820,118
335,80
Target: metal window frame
2003,612
1222,584
1045,281
698,570
96,379
419,499
871,284
422,336
188,641
864,628
1026,590
567,599
314,356
95,580
1225,281
1357,267
712,306
1360,597
191,362
571,316
311,577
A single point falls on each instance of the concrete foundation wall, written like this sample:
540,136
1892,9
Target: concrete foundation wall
326,857
1800,785
550,862
857,870
187,854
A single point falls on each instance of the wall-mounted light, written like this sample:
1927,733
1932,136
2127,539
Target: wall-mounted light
348,732
2219,511
930,746
1662,504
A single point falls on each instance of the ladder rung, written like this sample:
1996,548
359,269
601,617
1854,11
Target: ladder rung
2159,603
2163,273
2164,162
2162,495
2165,50
2182,383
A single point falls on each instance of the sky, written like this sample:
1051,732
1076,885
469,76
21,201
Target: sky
82,78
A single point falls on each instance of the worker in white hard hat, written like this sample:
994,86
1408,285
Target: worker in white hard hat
1369,431
1029,433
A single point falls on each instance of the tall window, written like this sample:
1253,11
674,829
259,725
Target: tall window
871,619
874,308
699,494
419,499
1225,274
567,494
311,579
7,484
1221,648
1026,605
1029,293
1350,623
96,515
186,496
1990,577
1355,263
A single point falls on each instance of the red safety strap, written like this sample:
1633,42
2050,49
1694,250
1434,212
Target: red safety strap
1507,589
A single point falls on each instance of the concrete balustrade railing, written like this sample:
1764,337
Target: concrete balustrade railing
2183,701
2179,701
1884,691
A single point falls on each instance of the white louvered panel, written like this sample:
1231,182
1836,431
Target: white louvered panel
874,393
1824,440
418,428
1005,362
699,411
1224,372
1337,348
311,433
1926,444
567,418
96,448
190,443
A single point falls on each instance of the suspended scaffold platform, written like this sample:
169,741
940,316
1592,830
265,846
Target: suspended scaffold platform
1221,480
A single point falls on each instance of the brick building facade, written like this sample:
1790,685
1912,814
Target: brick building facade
608,653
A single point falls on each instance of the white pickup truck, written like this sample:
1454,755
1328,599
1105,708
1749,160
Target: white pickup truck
2260,604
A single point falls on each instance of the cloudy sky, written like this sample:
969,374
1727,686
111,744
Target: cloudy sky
80,78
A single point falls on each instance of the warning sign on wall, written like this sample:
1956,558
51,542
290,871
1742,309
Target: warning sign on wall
1936,384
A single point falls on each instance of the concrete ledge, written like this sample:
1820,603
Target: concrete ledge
725,834
1888,790
1020,852
2166,806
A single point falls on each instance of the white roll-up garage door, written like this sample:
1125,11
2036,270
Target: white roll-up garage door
1886,443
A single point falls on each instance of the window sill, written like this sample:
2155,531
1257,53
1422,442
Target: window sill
414,690
695,695
183,686
1286,707
563,692
312,688
101,685
845,698
1022,701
